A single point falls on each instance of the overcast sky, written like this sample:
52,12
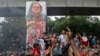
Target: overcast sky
1,19
53,17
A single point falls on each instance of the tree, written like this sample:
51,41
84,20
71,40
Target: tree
14,33
87,24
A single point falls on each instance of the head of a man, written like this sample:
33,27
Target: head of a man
76,35
63,31
54,34
57,44
36,45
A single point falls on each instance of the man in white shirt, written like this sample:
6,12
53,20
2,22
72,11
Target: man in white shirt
41,42
62,38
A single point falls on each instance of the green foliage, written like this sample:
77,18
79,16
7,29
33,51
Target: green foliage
88,24
14,33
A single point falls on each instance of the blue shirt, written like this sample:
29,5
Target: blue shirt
93,41
57,50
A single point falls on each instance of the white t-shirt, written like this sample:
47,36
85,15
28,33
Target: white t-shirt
84,38
41,42
62,39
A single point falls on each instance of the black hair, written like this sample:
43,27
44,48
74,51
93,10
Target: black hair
35,45
45,33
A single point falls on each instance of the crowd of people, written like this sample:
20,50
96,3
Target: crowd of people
64,44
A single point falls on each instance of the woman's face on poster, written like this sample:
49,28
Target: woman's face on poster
36,8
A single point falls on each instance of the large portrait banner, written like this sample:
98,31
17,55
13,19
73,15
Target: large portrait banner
35,20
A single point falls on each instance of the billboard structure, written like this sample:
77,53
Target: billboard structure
35,20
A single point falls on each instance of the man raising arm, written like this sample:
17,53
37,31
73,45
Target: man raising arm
71,42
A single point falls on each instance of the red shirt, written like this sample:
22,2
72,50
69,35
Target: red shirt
86,43
36,51
83,53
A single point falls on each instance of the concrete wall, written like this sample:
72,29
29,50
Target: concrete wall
53,3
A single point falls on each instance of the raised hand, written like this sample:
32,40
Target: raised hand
69,33
79,34
68,29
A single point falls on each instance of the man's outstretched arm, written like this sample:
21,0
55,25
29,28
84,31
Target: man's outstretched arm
75,49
